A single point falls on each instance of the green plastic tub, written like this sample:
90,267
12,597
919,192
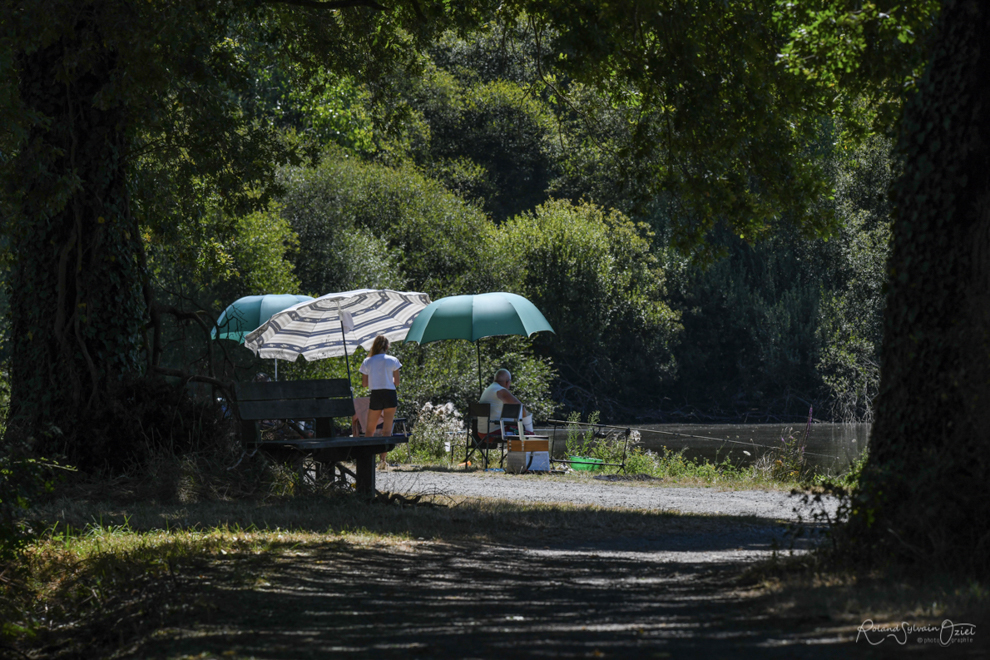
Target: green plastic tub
585,463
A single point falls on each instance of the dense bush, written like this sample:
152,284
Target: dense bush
774,326
201,265
594,277
851,313
750,341
361,224
497,126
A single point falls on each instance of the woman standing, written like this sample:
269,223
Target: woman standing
380,373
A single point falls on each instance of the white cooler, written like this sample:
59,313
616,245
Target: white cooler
528,454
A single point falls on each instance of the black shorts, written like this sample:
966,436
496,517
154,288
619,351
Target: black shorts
382,399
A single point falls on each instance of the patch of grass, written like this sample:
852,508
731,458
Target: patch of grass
784,468
105,571
673,468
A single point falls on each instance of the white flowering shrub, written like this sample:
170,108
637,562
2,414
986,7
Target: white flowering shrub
436,428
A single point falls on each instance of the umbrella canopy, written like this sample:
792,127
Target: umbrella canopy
474,317
316,329
247,313
477,316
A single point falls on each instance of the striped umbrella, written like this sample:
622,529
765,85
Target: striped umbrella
323,327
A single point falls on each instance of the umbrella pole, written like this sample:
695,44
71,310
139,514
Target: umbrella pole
347,361
480,386
276,369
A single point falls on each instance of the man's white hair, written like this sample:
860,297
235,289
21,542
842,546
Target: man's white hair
502,373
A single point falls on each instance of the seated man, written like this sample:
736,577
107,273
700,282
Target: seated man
498,394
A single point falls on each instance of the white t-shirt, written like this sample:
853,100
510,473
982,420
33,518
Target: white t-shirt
490,396
379,370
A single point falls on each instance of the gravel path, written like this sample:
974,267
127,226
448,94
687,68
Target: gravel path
770,505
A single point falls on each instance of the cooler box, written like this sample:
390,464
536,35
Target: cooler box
528,454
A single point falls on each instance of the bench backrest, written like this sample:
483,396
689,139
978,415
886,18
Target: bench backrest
321,400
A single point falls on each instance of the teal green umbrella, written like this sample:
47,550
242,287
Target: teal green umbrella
475,317
245,314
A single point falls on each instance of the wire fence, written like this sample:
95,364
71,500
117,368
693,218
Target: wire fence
600,428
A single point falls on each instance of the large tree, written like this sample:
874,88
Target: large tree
925,492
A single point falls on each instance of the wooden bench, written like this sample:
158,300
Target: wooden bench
321,401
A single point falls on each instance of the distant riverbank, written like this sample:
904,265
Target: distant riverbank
829,447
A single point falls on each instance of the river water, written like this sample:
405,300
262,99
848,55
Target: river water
829,447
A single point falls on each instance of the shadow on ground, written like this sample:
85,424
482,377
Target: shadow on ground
470,601
633,585
668,595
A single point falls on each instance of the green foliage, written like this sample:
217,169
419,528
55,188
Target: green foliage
200,265
611,446
787,461
726,131
333,110
581,440
595,279
448,371
217,255
791,320
852,310
496,126
674,465
609,153
22,478
868,56
503,50
361,224
750,323
849,479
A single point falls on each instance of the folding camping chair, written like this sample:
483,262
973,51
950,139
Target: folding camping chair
511,417
480,437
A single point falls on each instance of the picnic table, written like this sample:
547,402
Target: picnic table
319,401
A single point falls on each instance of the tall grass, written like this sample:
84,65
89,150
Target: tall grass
784,467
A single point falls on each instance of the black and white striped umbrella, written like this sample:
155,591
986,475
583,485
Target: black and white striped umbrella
318,329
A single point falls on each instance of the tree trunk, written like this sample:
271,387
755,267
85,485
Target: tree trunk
925,492
77,303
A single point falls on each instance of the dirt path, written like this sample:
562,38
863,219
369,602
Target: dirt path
671,593
770,505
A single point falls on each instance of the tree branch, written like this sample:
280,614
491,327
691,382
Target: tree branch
331,5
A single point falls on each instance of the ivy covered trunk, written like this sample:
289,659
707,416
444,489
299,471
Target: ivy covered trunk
77,304
925,494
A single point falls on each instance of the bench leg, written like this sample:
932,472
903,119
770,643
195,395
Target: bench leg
365,477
